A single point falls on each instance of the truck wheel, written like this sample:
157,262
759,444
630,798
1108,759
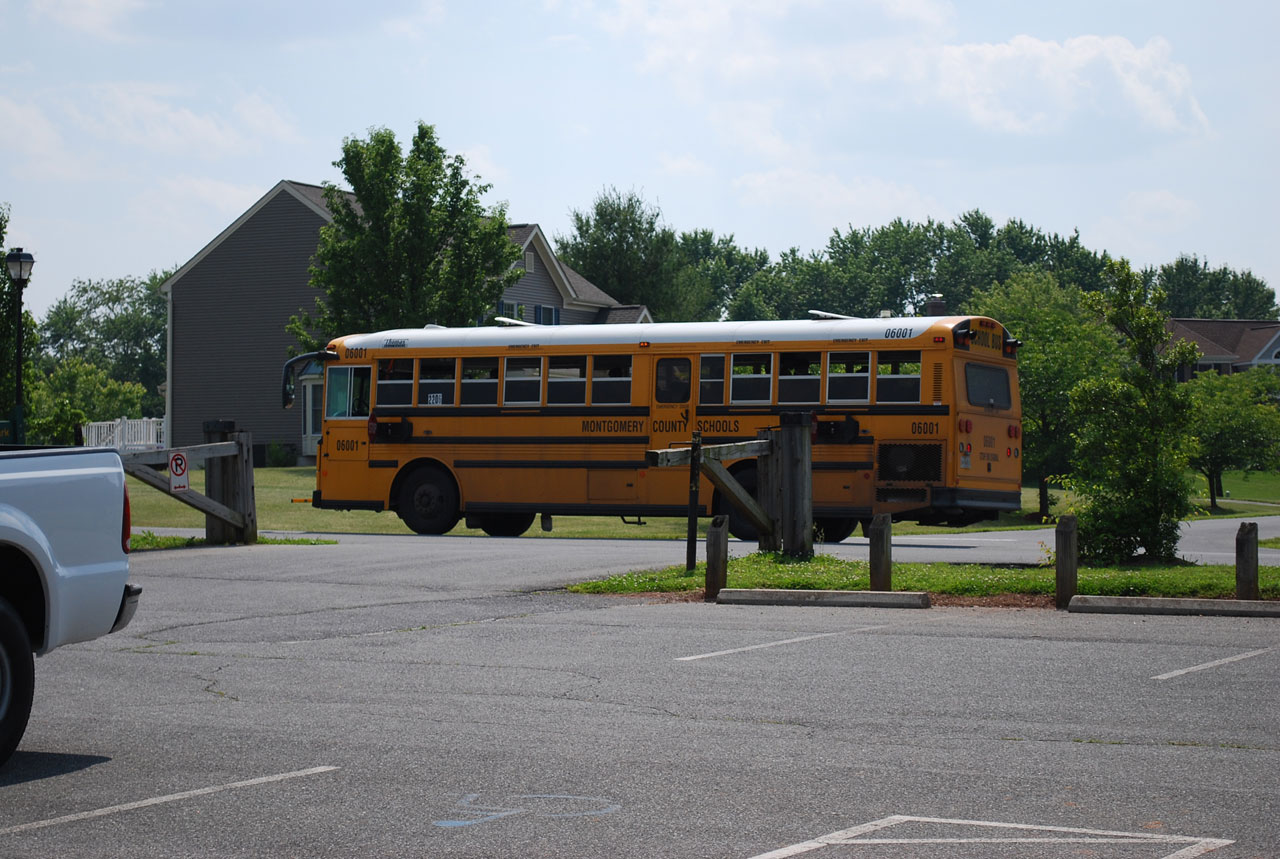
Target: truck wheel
833,529
17,679
428,501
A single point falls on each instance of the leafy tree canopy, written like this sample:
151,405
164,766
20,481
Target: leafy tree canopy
116,325
1196,291
1131,437
1236,424
78,392
410,245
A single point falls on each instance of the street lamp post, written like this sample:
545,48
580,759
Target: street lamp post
19,264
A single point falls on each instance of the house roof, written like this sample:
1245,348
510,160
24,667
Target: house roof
1240,341
623,313
576,289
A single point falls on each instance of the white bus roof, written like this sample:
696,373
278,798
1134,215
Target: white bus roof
652,332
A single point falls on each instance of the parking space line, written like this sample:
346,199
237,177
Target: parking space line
1213,664
1052,835
779,643
160,800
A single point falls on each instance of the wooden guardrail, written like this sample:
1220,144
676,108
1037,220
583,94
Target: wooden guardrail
228,500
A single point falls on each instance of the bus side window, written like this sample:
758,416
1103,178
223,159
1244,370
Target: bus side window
395,381
752,378
799,377
610,379
523,382
898,377
673,380
479,382
347,392
436,378
711,380
567,380
848,377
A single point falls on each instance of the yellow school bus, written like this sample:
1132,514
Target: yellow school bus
917,417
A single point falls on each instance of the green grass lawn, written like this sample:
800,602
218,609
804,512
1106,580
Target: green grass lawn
824,572
275,489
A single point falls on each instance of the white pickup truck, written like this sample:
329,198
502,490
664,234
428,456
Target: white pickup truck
64,564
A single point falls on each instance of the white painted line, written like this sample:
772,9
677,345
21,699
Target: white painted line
160,800
1214,664
779,643
1054,835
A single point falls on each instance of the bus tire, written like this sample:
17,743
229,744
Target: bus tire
17,679
505,524
428,501
833,529
739,525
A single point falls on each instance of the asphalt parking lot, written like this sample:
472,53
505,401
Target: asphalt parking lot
444,697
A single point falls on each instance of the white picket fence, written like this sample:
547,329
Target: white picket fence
126,434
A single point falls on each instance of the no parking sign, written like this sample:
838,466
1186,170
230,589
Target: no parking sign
178,480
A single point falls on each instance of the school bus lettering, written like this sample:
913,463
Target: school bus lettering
613,426
898,333
346,444
924,427
719,425
355,353
671,426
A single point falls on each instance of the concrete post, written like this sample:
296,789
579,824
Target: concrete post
881,534
1066,556
717,556
1247,562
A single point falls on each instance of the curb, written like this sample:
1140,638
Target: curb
846,599
1161,605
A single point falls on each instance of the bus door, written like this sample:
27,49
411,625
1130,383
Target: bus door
671,423
347,392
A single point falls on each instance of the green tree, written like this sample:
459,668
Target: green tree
1131,439
77,392
1198,292
622,246
1235,424
1062,347
410,245
118,325
711,270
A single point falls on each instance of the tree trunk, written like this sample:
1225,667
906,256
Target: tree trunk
1044,498
1215,481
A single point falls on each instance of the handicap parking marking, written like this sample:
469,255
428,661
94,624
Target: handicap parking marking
1012,834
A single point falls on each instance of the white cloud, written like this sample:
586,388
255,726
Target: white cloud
685,164
103,18
423,21
30,141
1031,86
480,162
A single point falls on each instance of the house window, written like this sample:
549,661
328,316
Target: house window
752,378
799,377
529,258
898,377
567,380
545,314
523,381
436,378
511,310
610,379
711,380
347,392
848,377
395,381
479,382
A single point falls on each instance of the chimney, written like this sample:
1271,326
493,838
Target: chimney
936,305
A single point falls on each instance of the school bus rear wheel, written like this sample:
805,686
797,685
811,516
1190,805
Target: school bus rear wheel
429,501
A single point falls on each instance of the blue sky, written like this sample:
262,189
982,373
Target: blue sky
133,131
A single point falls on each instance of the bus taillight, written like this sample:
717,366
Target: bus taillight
966,425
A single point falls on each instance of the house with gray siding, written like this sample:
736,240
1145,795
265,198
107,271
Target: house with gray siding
228,306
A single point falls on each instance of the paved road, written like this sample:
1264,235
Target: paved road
443,697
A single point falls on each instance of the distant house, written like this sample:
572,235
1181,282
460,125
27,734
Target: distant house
229,304
1229,345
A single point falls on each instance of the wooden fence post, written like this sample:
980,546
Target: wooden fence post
229,481
769,489
695,478
796,456
717,556
881,557
1247,562
1067,560
245,498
